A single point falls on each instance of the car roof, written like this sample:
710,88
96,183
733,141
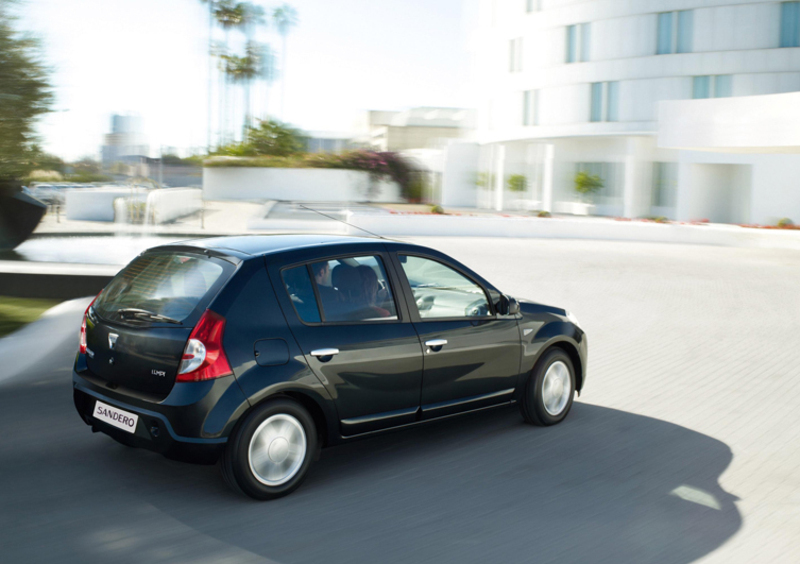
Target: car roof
256,245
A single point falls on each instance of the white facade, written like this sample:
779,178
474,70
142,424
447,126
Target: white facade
577,85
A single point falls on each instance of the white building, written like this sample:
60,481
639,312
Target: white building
414,128
671,102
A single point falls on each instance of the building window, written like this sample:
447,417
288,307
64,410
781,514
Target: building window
605,102
719,86
665,184
675,32
530,107
515,55
578,43
790,24
610,174
533,6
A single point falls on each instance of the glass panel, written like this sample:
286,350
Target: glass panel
586,44
535,95
529,107
701,87
572,44
665,184
298,285
354,289
512,50
612,110
790,24
597,102
723,86
664,45
171,285
685,31
441,292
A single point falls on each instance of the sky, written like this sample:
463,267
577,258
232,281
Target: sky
149,57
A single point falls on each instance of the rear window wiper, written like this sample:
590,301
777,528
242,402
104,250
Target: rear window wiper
151,315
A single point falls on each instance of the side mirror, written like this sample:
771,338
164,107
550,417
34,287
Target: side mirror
507,305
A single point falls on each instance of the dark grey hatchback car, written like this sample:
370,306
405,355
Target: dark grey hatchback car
258,351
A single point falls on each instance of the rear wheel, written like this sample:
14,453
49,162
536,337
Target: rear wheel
272,450
550,389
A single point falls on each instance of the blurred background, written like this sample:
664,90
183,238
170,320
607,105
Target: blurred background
635,162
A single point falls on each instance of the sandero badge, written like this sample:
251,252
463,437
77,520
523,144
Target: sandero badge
256,352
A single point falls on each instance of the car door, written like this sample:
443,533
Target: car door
471,353
356,335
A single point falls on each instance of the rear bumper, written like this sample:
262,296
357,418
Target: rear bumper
178,428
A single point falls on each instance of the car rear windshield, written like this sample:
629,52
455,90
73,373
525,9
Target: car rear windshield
158,287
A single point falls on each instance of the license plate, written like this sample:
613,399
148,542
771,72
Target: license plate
119,418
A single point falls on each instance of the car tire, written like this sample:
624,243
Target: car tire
546,400
271,451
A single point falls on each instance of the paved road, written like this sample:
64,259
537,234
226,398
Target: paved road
684,447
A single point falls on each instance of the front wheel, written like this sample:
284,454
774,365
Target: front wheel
548,394
271,452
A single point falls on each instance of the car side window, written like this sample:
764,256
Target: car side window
298,284
441,292
354,289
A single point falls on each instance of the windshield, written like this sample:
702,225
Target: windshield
158,287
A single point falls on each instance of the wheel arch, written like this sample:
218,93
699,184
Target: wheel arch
571,350
309,399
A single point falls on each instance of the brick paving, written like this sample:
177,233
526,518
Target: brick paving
707,338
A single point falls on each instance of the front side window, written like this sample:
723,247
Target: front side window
441,293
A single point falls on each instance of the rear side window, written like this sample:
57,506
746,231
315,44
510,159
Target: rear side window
354,289
349,289
164,284
298,284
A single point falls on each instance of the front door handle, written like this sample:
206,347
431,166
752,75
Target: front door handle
323,353
435,345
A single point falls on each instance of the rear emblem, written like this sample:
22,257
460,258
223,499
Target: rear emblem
112,340
160,373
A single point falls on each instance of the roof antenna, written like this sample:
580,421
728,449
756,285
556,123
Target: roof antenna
342,221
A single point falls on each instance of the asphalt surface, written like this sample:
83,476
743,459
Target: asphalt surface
683,448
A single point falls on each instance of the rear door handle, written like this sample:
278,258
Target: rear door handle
436,345
324,352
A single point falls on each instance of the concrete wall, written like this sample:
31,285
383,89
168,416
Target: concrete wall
297,184
171,203
88,204
164,205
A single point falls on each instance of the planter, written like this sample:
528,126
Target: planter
576,208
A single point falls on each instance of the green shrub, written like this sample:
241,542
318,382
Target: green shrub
517,183
543,213
785,222
439,210
586,184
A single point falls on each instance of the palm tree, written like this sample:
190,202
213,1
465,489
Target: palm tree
285,17
229,15
211,6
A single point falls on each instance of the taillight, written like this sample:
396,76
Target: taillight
203,358
82,345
